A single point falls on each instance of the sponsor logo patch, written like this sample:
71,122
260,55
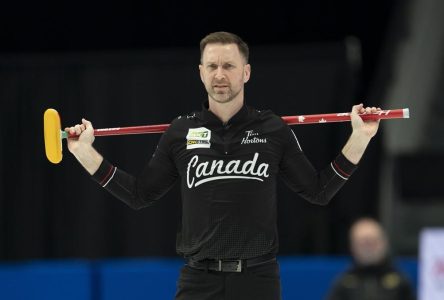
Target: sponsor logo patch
252,137
198,138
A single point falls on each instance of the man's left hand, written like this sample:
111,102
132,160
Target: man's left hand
364,128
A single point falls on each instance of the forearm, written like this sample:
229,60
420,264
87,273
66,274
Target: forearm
303,178
316,187
120,184
355,147
88,157
137,191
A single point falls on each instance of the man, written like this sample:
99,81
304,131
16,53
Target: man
228,157
372,276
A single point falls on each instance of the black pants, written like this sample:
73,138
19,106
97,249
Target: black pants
256,283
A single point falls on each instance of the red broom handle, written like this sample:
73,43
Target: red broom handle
402,113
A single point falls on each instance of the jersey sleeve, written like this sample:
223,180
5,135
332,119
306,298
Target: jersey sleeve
156,178
298,173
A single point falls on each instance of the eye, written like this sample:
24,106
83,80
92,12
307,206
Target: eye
228,66
212,66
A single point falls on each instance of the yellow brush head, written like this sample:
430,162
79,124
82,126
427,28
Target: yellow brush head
53,135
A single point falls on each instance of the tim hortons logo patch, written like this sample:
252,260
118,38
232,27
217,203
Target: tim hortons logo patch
252,137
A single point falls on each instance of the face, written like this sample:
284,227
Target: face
368,243
223,72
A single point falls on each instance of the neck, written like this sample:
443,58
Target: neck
225,111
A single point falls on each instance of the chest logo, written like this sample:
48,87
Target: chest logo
198,138
200,172
252,137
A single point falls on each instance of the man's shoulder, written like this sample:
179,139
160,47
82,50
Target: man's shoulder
184,121
269,120
179,126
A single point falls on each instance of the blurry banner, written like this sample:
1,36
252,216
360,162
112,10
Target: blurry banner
431,281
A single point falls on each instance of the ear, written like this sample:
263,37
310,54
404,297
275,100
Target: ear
200,73
247,72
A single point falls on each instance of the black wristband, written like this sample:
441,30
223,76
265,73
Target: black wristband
104,173
343,166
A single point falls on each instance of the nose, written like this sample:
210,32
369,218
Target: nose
219,73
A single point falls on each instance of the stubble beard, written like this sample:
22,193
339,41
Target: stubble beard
224,97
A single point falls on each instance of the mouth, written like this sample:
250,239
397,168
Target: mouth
220,84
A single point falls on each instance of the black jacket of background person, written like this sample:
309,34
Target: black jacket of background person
228,176
378,282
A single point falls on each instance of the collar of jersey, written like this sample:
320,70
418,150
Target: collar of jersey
212,119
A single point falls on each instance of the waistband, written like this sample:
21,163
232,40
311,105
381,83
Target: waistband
230,265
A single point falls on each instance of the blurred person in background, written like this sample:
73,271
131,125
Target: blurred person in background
373,275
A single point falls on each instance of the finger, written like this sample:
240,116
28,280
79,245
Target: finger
78,129
374,109
356,108
87,123
361,109
368,110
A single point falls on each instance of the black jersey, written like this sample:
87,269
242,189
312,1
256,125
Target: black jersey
228,174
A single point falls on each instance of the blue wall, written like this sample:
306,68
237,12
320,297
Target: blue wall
155,278
46,280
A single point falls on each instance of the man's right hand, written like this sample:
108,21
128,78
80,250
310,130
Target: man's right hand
82,147
85,131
